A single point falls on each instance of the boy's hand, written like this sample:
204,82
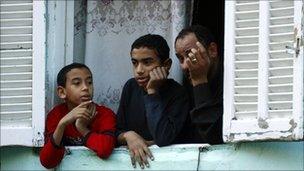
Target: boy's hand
80,111
138,149
82,124
157,76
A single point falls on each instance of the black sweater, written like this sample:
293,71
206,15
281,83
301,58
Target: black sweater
158,117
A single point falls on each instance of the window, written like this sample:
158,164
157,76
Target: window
22,72
263,75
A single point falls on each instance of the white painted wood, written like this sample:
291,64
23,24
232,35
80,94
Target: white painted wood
263,60
17,136
229,67
298,71
276,85
69,31
22,73
39,40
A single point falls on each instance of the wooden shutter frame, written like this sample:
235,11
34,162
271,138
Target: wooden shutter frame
33,136
262,128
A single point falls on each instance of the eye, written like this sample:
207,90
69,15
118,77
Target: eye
181,59
76,83
134,63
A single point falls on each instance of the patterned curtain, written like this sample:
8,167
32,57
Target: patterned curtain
111,28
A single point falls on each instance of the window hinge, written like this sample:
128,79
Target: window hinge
292,50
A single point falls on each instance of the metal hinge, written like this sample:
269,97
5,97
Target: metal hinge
294,50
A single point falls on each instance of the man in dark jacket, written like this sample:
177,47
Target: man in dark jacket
199,58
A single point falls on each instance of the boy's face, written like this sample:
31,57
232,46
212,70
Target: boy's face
144,60
78,87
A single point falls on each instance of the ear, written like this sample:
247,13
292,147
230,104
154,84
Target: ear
61,92
167,63
212,50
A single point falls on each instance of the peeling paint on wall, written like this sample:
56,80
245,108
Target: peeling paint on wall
263,123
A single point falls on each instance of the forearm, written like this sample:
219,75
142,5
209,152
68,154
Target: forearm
101,143
58,133
122,137
165,120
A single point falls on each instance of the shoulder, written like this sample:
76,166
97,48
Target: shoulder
104,111
130,83
175,87
58,111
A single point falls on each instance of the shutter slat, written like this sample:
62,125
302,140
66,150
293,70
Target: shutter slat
15,68
281,4
16,83
247,23
16,22
16,91
247,39
250,64
15,107
280,79
16,14
16,60
16,37
246,97
16,7
281,20
16,53
16,76
16,99
246,81
280,88
16,30
16,45
281,11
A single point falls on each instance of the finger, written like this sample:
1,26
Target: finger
152,75
132,159
148,152
190,62
160,73
164,71
94,109
156,74
85,104
138,159
202,51
143,157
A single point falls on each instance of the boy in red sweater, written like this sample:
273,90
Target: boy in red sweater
77,121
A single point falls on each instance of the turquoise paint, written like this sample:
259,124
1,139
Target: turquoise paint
241,156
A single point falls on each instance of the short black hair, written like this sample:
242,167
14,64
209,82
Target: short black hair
202,34
61,76
154,42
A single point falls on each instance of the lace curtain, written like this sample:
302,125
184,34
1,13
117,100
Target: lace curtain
111,28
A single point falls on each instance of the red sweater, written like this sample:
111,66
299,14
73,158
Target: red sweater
100,139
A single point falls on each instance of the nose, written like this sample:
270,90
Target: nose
139,69
184,65
85,86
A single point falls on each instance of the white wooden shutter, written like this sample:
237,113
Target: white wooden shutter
22,52
263,75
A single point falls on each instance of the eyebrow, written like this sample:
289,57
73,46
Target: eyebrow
78,78
144,59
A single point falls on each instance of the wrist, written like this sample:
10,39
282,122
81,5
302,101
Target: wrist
83,131
197,81
151,91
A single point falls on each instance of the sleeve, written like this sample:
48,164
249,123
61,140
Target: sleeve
121,121
207,113
102,139
51,154
166,119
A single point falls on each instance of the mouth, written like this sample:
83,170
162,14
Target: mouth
85,98
142,80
